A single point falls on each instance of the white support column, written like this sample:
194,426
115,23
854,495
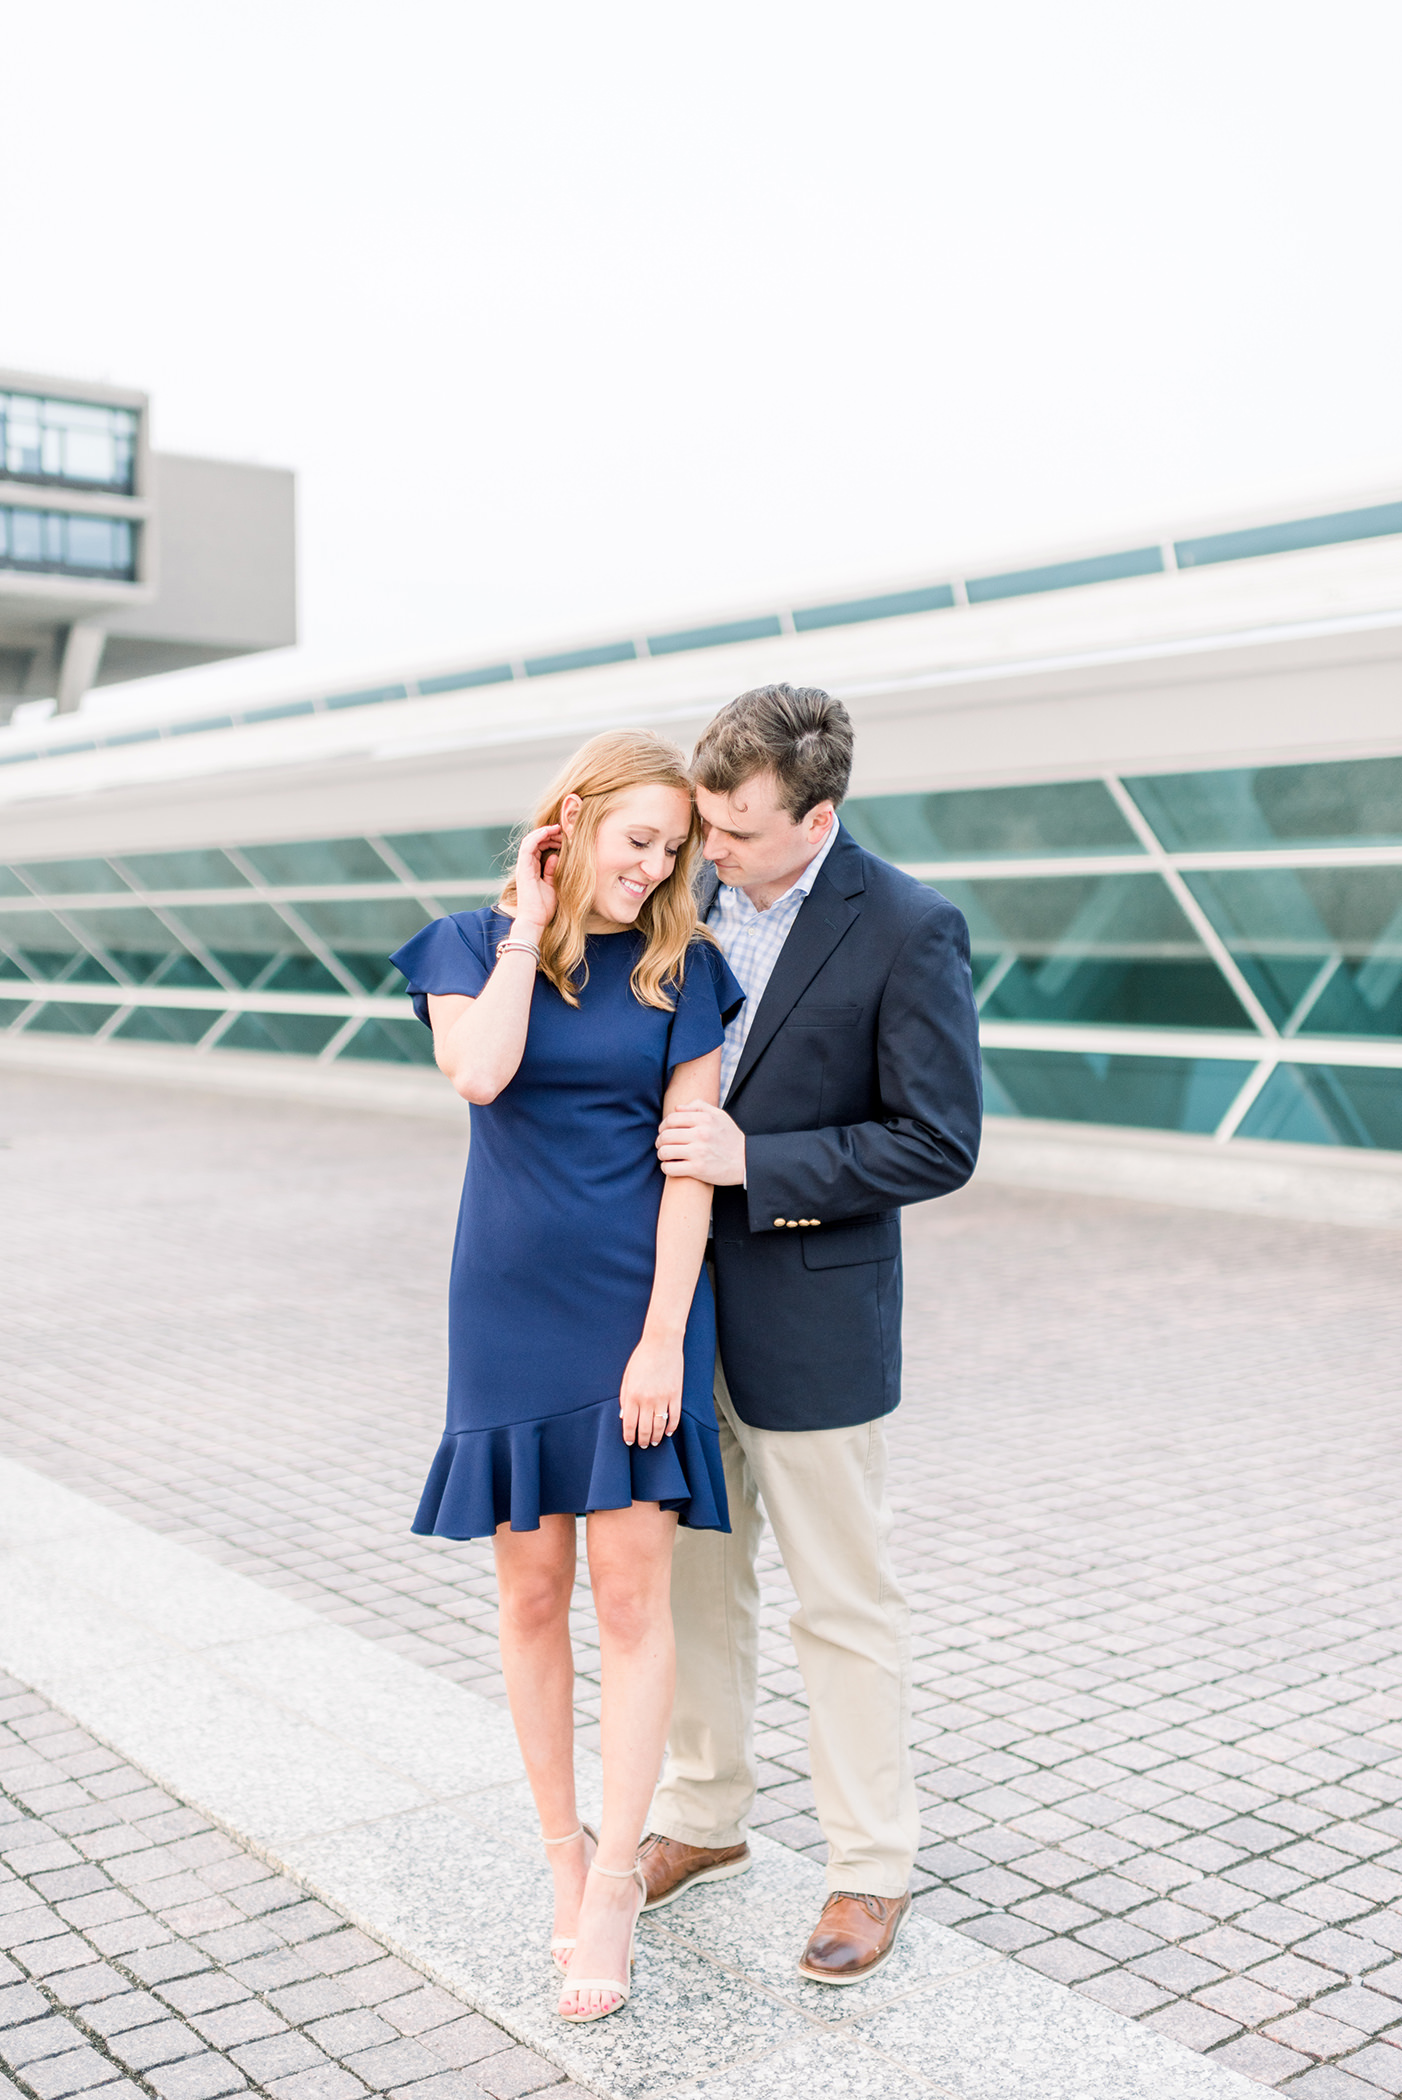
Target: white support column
82,653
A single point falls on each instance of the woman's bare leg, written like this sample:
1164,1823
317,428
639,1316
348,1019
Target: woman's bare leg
535,1579
630,1566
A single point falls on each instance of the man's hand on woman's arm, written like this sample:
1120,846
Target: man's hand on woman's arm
702,1140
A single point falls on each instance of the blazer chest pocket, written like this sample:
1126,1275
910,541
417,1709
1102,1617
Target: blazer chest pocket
823,1017
858,1239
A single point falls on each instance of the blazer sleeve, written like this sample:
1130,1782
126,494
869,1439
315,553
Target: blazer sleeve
929,1082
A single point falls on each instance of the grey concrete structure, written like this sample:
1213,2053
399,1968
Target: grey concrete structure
118,562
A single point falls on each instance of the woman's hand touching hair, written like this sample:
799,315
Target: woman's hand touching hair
536,863
478,1042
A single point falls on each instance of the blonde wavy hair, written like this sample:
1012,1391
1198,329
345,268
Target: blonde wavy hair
600,772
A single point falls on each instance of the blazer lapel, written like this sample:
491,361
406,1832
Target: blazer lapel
823,919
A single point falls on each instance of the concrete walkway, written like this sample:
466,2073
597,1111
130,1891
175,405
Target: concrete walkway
1146,1473
397,1799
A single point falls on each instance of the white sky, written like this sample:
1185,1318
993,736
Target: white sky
572,317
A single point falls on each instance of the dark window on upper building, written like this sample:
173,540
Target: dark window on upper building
80,444
59,543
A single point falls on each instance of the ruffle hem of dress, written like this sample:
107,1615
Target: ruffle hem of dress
522,1471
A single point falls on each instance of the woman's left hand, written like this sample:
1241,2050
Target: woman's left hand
650,1403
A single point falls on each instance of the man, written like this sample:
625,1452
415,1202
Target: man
850,1084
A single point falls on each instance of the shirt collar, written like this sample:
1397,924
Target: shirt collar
799,889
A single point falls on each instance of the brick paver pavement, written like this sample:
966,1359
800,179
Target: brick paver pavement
144,1953
1147,1471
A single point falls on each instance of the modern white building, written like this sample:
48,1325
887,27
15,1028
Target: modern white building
1162,779
118,562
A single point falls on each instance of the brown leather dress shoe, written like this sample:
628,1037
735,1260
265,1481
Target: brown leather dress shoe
670,1868
853,1937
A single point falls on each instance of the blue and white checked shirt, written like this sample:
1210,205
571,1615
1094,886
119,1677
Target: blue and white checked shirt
752,942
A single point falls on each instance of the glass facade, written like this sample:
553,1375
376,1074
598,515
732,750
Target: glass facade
64,543
73,444
1109,956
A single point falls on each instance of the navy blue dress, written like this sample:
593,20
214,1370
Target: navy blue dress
557,1243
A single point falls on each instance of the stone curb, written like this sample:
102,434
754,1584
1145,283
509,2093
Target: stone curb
397,1798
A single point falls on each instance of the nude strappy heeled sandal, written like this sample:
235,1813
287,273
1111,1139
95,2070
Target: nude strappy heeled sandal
609,1983
560,1946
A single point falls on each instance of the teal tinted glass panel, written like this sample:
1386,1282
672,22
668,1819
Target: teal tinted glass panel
10,884
74,878
187,973
1356,801
279,712
888,605
301,973
1154,1093
1373,522
371,698
16,758
164,1024
1328,1105
1065,575
715,637
314,861
44,947
1074,816
88,970
131,736
391,1043
245,939
126,929
203,869
10,1011
55,1018
289,1035
580,659
198,728
1321,947
365,933
456,681
1091,948
482,855
232,925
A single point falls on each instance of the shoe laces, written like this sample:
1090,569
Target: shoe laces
874,1906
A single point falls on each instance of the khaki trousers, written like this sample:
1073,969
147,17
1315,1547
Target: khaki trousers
824,1492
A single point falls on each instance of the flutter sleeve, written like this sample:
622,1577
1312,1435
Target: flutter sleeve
451,955
710,998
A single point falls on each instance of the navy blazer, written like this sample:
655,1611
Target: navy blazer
858,1091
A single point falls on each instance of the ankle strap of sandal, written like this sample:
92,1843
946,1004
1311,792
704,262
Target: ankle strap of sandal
613,1873
564,1840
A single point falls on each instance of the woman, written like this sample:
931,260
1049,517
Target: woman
573,1015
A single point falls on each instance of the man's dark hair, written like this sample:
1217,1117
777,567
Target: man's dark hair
799,733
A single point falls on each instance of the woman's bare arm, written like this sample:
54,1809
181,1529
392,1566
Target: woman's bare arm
650,1402
478,1043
